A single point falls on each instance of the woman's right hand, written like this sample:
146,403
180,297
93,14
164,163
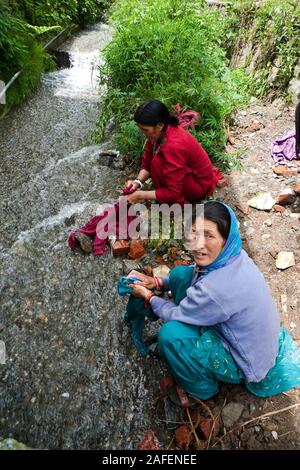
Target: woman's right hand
146,281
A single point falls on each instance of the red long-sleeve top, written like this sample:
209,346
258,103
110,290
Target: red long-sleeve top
168,164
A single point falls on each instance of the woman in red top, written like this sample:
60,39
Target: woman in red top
177,164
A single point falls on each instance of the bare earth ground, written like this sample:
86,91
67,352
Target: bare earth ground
264,235
267,233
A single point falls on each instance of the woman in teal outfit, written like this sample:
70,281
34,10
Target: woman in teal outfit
222,324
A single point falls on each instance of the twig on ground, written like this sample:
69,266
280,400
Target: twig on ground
173,422
214,422
171,442
193,429
270,414
265,415
286,433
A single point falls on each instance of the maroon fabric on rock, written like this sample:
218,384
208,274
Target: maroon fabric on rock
90,229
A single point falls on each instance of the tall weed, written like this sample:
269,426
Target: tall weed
169,50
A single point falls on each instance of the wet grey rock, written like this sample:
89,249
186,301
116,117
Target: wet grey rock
129,265
172,414
231,413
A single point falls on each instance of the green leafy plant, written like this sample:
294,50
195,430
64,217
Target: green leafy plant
25,25
18,50
272,28
59,12
169,50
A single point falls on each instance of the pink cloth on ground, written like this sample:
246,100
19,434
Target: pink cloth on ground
90,229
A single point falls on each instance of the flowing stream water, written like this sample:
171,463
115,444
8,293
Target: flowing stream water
72,378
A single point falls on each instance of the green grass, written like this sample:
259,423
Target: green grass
169,50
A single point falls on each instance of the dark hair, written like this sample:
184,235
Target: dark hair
217,213
151,112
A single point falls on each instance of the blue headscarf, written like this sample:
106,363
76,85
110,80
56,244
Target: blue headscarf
231,248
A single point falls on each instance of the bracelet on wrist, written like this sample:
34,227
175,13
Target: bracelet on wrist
149,296
158,283
139,183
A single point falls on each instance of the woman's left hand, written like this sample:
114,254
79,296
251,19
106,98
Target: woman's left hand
140,291
135,197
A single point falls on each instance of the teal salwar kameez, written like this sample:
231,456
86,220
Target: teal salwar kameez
198,360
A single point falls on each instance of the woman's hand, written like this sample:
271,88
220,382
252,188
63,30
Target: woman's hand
131,185
140,291
146,281
137,196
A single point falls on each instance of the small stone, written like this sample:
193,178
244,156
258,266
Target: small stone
282,170
265,236
183,437
275,435
137,249
120,248
268,223
19,247
255,126
285,259
252,407
231,413
285,198
161,270
130,265
172,413
205,424
65,395
262,201
296,188
41,317
278,208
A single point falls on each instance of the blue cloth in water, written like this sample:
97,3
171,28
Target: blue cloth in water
135,314
123,285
